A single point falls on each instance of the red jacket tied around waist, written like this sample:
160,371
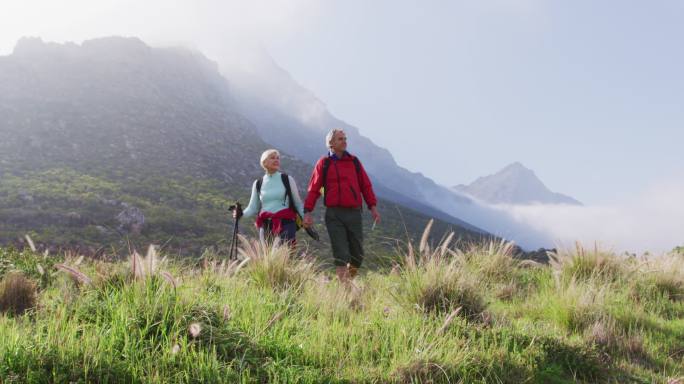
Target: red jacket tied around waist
276,219
344,186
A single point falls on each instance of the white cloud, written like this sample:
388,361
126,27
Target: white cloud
653,221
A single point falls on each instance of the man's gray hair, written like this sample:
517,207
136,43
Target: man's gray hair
330,136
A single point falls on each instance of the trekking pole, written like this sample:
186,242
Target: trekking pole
233,242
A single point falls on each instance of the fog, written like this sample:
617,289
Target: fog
211,26
652,222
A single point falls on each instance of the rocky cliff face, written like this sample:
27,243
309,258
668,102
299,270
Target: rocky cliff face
120,103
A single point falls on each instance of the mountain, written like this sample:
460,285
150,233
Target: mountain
514,184
292,118
112,143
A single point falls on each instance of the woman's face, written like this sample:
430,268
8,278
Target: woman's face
272,163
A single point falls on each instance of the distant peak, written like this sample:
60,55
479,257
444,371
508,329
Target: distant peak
514,184
516,166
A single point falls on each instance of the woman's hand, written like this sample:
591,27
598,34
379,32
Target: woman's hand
308,220
236,210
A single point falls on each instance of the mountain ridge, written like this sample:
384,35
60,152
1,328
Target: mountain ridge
514,184
95,142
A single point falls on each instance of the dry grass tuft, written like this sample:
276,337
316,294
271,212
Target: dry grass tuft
666,274
78,276
148,266
337,299
507,291
493,260
435,280
580,304
17,294
606,335
275,265
144,268
225,268
603,334
422,371
588,264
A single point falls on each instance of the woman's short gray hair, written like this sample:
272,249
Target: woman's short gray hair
267,153
330,136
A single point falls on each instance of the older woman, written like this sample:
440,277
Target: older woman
275,212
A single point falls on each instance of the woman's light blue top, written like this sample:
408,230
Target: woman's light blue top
272,198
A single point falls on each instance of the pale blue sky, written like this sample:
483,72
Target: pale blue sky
589,94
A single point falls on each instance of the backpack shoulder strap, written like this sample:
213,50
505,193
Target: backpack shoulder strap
259,181
326,166
357,166
288,190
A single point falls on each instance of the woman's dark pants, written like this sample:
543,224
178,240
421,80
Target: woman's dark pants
288,234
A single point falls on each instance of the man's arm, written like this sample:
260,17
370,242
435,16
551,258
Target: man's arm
368,193
367,188
313,192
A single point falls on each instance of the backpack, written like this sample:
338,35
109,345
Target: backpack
326,165
288,195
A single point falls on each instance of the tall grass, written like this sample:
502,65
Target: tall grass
434,279
588,264
270,316
17,294
274,264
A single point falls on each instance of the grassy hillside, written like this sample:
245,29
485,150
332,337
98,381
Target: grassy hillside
63,208
440,315
113,127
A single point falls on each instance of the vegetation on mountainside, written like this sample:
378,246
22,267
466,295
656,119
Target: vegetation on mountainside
70,209
441,315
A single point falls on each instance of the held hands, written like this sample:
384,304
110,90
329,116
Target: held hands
308,220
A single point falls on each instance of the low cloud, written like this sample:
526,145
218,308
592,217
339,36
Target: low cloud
653,221
208,25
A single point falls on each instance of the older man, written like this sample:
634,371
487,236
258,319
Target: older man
343,180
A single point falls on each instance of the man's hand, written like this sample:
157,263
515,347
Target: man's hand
375,214
308,220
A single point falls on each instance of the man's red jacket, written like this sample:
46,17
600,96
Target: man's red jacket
343,187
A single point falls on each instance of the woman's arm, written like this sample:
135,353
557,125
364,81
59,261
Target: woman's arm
295,195
254,203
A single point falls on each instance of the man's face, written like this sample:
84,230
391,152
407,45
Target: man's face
339,142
